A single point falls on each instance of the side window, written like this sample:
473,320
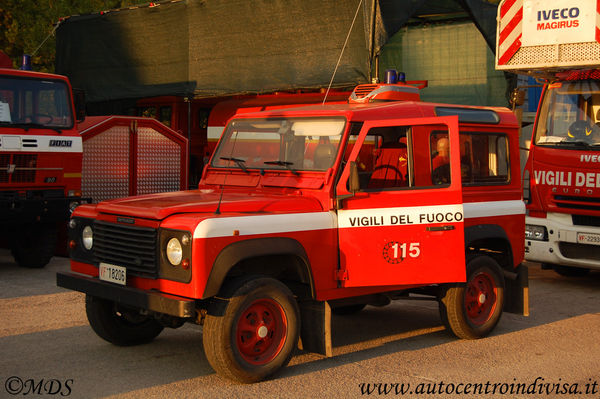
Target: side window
484,158
148,112
440,158
383,162
490,159
202,118
165,115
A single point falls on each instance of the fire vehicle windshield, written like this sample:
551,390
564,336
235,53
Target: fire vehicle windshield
570,116
35,103
295,144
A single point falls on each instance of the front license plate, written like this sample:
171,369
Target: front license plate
588,238
113,273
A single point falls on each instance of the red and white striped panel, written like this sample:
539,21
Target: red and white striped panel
598,21
511,29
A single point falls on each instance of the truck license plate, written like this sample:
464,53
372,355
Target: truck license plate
113,273
588,238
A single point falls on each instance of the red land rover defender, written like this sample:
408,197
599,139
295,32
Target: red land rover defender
307,211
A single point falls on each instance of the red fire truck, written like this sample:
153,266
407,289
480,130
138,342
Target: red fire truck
308,211
47,160
40,162
559,44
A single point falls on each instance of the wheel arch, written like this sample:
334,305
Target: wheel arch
263,256
490,240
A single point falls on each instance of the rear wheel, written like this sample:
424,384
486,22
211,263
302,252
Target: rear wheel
473,309
34,245
120,325
256,333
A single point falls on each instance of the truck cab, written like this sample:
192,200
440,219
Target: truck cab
310,211
563,224
40,163
560,47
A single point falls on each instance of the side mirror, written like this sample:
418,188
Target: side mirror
79,100
353,181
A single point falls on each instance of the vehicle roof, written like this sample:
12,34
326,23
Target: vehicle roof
32,74
381,110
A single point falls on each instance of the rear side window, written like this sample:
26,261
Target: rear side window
484,157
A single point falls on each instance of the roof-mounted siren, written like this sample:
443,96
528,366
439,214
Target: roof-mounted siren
395,88
26,64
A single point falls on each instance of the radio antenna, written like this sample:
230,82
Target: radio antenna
342,52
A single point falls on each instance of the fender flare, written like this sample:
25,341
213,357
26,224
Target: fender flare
236,252
487,231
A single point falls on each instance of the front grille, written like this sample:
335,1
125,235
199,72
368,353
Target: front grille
133,247
572,202
18,168
584,220
4,162
579,251
25,168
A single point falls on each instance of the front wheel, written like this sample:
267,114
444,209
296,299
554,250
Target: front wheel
34,245
472,310
120,325
256,333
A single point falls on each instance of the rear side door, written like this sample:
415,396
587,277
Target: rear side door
404,226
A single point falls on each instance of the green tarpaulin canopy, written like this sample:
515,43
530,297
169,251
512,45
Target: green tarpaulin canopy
208,48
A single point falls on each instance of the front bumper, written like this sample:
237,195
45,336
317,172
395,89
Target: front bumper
134,297
562,247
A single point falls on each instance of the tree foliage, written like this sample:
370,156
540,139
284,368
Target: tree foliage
28,26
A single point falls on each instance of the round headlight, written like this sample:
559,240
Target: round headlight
174,251
87,237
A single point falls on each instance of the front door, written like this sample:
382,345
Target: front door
404,225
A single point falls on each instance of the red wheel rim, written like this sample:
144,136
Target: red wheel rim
261,331
480,298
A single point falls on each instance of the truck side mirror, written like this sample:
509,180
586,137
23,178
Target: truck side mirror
79,100
353,180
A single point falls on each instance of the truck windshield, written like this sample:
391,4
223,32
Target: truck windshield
570,115
293,144
35,103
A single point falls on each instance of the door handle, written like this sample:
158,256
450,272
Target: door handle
440,228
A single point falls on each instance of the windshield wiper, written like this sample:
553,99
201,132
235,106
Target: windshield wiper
282,163
574,143
239,162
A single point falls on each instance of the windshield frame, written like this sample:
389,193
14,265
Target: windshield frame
569,116
37,103
280,143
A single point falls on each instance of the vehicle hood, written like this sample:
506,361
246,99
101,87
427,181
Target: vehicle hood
229,201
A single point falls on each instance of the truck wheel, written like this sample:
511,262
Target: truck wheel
471,310
568,271
34,245
348,310
256,333
119,325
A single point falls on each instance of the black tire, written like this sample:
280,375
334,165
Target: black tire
256,333
348,310
119,325
568,271
471,310
33,246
